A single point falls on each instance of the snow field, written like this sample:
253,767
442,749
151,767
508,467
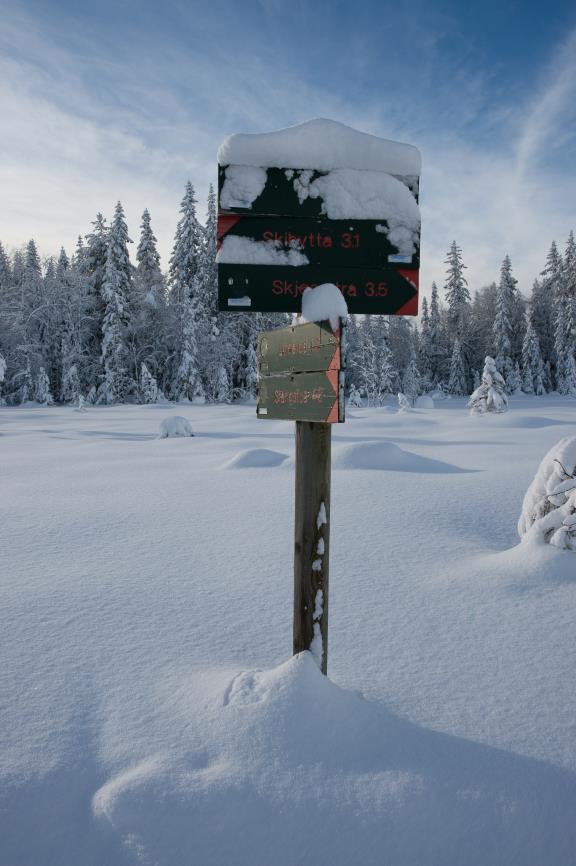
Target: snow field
151,713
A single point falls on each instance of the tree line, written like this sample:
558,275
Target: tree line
96,328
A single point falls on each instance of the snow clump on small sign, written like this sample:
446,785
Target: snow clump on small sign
549,507
175,426
324,303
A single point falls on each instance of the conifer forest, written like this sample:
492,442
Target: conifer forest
92,327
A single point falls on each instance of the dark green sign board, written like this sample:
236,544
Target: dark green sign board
302,397
274,241
279,288
331,243
306,348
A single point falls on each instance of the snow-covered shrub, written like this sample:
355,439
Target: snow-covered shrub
404,402
174,426
354,397
490,396
425,401
549,507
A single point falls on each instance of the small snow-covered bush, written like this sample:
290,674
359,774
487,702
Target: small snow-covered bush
549,507
354,397
175,426
404,402
490,396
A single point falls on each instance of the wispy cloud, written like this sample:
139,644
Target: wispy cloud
551,112
88,121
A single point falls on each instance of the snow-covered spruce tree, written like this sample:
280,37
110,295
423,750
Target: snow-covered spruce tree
438,352
532,366
183,297
425,350
117,382
457,380
490,396
223,390
541,317
514,384
561,347
411,381
456,291
549,507
23,383
91,264
377,374
148,333
71,389
148,391
5,272
148,279
2,377
43,393
184,262
505,299
187,383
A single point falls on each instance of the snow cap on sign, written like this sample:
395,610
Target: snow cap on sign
320,144
324,303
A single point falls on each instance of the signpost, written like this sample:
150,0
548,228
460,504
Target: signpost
301,378
351,220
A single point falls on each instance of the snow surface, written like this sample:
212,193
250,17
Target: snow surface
175,426
146,719
324,303
323,145
246,251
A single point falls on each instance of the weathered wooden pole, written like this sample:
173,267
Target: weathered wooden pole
312,539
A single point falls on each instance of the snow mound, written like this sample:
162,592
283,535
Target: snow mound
324,303
387,456
175,426
424,402
549,507
283,764
321,144
256,458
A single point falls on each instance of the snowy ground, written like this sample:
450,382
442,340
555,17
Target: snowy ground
149,709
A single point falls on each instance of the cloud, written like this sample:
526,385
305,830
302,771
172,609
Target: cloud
88,121
551,111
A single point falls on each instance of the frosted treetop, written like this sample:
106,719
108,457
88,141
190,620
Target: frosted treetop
321,144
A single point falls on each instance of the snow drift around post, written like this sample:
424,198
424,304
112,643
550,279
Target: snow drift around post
324,303
175,426
321,144
282,764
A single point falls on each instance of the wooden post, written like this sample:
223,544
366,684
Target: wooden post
312,539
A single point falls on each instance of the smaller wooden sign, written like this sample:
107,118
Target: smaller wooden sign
306,348
302,397
300,370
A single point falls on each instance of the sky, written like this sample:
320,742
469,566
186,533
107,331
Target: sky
125,100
